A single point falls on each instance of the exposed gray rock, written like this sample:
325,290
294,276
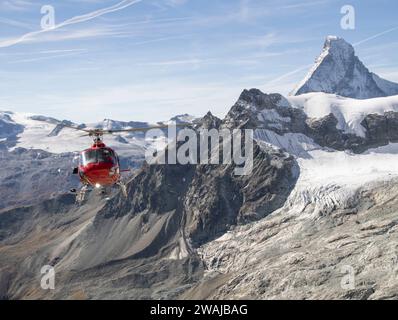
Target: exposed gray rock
210,198
209,121
258,110
8,130
381,129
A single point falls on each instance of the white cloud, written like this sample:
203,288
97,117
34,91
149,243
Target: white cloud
176,2
15,23
304,4
56,55
377,35
390,73
15,5
151,102
173,62
75,20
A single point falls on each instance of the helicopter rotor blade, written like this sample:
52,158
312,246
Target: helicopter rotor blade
99,132
145,128
55,122
72,127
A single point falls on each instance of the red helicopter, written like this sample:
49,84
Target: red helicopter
99,165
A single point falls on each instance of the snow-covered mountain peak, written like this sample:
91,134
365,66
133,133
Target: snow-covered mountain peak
257,100
338,45
182,118
339,71
209,121
341,51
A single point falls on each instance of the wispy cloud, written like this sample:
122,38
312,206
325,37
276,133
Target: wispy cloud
305,4
175,3
75,20
57,56
390,73
288,74
377,35
260,41
82,33
15,23
61,51
43,52
16,5
128,101
173,62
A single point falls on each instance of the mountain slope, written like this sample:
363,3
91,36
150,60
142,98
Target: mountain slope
25,176
338,70
146,245
292,255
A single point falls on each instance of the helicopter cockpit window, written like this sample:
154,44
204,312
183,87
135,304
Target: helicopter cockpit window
98,155
89,156
105,155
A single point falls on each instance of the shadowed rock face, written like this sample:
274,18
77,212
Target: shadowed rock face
7,126
8,131
381,129
208,199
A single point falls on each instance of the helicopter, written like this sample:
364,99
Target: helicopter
99,165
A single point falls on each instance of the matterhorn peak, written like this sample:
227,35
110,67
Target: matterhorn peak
339,71
336,41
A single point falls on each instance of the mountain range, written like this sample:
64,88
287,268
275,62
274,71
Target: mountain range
321,199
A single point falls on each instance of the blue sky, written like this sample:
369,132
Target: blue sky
149,60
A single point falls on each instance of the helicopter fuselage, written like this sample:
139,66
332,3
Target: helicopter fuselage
99,166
